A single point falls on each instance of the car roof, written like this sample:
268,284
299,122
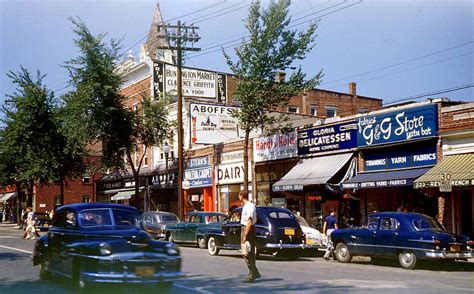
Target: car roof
205,213
160,212
82,206
407,215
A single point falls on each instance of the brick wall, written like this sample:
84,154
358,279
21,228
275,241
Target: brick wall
458,117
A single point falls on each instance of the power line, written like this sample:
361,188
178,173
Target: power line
199,19
399,63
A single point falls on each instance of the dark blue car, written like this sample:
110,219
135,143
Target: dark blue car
405,236
277,229
101,243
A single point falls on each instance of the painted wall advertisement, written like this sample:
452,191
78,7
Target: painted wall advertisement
196,82
231,169
274,147
198,172
213,123
330,138
396,126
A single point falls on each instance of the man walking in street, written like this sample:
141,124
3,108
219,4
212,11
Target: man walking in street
248,220
330,224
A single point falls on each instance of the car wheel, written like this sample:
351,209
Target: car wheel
78,278
407,259
201,242
342,253
43,272
171,239
212,247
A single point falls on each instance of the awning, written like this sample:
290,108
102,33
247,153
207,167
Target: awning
7,196
382,179
312,171
458,169
122,195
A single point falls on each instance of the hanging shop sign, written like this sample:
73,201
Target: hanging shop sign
397,126
274,147
231,168
196,82
198,172
329,138
212,124
396,158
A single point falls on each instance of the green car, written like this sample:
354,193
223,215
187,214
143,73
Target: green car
185,231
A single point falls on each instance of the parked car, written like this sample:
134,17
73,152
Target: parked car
405,236
314,238
185,231
101,243
155,222
277,229
42,221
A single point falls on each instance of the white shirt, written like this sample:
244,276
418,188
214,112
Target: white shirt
248,211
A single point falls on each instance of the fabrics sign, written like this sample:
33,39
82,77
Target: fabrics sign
396,126
400,158
329,138
198,172
275,147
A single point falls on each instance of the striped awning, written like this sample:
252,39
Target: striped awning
312,171
7,196
458,169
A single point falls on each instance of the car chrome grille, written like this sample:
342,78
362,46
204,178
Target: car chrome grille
129,256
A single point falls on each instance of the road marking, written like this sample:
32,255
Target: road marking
13,248
191,288
8,237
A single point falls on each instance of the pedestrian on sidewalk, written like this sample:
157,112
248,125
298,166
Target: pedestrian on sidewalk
248,220
330,224
30,232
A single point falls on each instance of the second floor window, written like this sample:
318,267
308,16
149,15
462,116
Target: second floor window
314,110
293,109
331,111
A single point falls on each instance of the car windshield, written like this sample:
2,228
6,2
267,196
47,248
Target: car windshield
169,218
215,218
427,223
103,217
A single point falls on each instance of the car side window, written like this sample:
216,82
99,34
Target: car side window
235,216
386,224
189,218
373,223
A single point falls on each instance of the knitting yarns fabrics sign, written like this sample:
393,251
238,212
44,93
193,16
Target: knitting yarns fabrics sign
397,126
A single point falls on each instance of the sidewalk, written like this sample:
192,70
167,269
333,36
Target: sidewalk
9,225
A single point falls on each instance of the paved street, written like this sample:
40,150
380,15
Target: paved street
224,273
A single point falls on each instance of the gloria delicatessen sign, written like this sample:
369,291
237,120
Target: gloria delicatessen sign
397,126
329,138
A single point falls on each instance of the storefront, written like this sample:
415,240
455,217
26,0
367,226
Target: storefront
198,179
164,187
120,188
311,187
395,148
230,178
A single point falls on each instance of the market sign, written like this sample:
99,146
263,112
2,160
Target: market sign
329,138
196,82
198,172
397,126
400,158
274,147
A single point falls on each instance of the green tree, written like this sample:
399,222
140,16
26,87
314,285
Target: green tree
33,147
271,47
95,110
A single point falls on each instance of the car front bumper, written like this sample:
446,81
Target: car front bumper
442,254
287,246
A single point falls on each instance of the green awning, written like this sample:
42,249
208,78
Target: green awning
458,169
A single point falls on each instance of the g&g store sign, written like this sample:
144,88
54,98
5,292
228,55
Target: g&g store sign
398,126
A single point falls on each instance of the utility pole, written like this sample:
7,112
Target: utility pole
180,35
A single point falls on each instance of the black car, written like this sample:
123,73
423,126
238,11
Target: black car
407,237
277,229
102,243
41,221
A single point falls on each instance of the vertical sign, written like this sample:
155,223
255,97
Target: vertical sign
222,88
157,79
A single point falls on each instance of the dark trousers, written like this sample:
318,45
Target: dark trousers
250,258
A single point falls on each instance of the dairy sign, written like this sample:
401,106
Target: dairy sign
213,123
198,172
275,147
397,126
231,168
329,138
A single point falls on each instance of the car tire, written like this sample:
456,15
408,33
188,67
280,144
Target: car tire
212,247
43,272
171,239
201,242
342,253
407,259
78,278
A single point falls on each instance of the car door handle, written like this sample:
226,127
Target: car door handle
353,237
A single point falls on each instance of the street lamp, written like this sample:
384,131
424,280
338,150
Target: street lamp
166,151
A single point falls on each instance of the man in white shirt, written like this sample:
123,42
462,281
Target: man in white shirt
248,220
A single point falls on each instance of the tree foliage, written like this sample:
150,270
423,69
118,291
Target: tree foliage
95,110
271,47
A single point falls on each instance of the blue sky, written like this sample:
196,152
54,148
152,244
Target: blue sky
394,50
